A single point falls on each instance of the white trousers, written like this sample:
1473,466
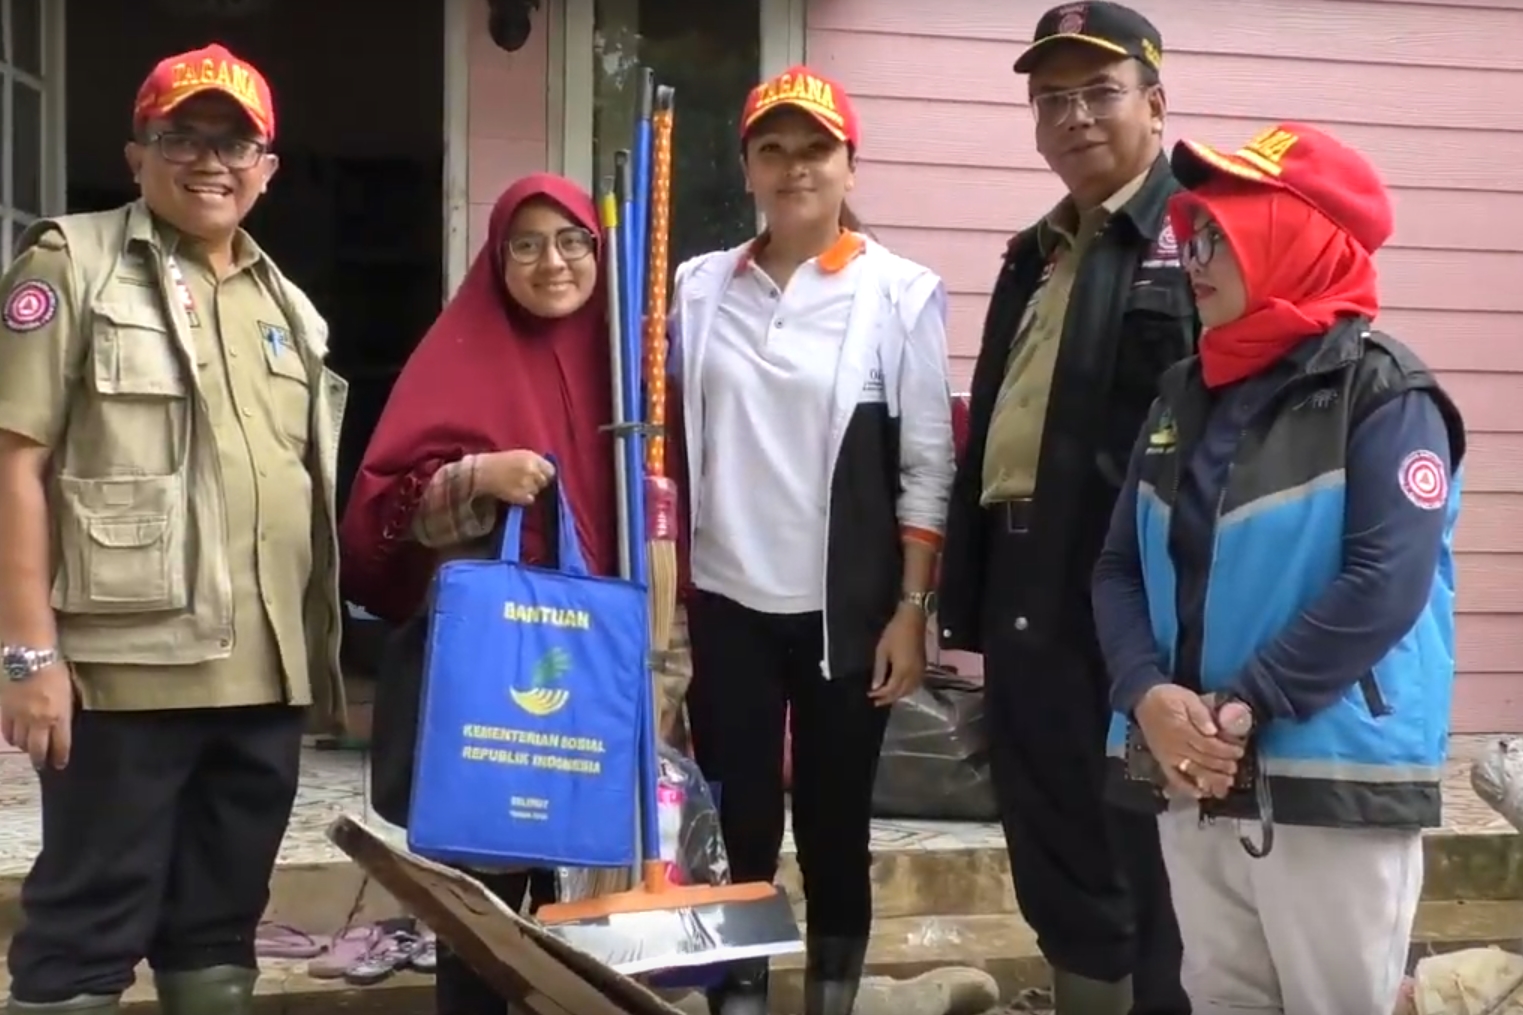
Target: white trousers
1320,926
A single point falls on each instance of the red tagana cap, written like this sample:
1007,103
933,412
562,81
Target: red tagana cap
801,88
212,69
1312,164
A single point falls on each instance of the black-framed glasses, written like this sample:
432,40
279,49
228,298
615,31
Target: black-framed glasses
1203,244
1052,109
187,147
573,243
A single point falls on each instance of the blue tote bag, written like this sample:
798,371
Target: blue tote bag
528,737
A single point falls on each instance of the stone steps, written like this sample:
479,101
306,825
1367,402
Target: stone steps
903,947
974,881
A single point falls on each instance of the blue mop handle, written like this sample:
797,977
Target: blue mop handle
639,239
630,364
634,404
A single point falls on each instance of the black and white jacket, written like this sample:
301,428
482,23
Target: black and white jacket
891,453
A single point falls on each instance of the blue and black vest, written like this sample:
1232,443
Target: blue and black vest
1376,757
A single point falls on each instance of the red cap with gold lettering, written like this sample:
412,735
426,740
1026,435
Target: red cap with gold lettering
212,69
803,89
1315,166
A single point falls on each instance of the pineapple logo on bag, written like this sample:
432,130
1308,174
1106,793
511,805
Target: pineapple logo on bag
544,695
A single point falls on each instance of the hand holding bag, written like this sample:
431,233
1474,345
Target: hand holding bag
528,743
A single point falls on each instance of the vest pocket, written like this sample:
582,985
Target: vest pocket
135,353
121,545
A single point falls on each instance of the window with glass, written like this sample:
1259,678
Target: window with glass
711,54
22,87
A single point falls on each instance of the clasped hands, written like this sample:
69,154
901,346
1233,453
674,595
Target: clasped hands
1197,741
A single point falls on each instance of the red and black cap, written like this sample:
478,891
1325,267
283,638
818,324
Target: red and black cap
1106,26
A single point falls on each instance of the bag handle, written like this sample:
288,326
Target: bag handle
568,551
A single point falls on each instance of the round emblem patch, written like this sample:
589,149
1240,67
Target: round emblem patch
31,305
1071,23
1424,480
1168,244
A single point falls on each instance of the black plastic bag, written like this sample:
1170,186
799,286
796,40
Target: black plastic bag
935,759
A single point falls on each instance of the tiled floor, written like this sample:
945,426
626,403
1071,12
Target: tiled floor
334,784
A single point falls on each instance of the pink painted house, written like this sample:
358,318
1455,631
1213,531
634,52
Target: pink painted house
1427,88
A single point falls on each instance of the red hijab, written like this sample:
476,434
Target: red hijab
1301,271
488,376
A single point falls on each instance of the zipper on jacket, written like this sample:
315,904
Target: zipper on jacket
1374,700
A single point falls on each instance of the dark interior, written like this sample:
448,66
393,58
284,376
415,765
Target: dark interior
354,215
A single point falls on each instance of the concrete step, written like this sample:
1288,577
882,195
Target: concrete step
971,881
903,947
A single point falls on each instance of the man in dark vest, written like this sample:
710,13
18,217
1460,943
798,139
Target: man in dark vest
1090,306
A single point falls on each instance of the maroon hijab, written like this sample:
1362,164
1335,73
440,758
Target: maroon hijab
488,376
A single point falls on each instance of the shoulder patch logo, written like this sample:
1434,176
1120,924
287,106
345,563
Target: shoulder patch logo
1164,436
31,305
1424,480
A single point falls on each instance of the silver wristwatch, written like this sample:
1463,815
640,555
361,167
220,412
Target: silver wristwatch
19,662
925,602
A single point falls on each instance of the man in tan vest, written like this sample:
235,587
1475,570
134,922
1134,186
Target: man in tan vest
169,613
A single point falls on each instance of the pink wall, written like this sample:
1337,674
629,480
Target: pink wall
1427,90
508,121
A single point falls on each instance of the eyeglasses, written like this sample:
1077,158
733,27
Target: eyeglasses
573,243
1202,246
1052,109
184,148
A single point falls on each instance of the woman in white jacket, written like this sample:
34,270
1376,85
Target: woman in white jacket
815,414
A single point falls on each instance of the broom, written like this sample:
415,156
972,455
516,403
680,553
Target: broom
660,491
617,207
636,198
657,925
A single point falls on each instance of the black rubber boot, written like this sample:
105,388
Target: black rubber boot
743,992
220,990
1079,995
832,974
85,1004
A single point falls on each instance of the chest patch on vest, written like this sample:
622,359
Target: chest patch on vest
1424,480
31,305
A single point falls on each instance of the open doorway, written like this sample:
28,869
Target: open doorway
355,214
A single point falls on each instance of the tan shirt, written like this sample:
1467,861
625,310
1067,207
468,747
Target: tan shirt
1014,445
259,403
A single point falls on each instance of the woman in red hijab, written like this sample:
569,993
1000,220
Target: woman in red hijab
1275,600
514,370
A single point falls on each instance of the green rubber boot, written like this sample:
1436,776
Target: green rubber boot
1078,995
220,990
84,1004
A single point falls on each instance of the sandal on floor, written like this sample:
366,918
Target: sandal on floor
344,951
280,941
425,958
391,953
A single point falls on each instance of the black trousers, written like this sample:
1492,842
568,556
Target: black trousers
158,841
1089,877
457,988
748,668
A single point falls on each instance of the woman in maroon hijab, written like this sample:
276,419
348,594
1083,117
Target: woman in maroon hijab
514,370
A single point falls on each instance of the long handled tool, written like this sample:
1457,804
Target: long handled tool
660,491
657,925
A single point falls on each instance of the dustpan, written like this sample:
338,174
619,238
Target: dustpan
657,925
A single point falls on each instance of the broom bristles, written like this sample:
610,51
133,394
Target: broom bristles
661,559
668,688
